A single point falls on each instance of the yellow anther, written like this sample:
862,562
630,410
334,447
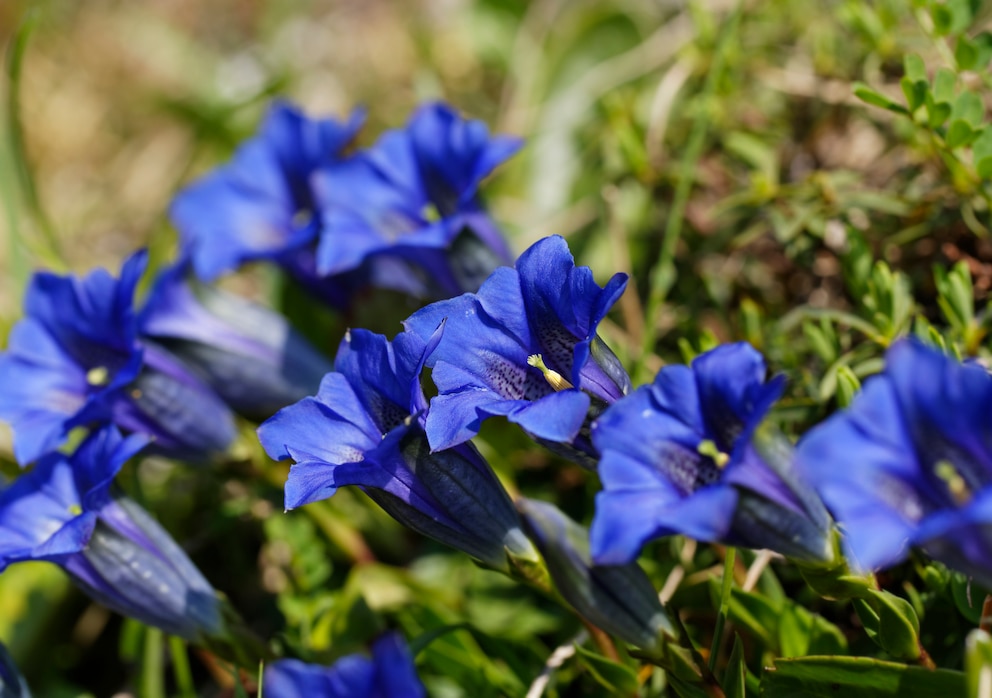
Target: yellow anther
709,449
98,376
75,509
960,492
554,379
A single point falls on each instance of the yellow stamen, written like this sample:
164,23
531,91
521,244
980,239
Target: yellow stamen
709,449
554,379
75,509
98,376
960,492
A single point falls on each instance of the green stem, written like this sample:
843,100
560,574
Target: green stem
152,684
721,616
664,272
180,668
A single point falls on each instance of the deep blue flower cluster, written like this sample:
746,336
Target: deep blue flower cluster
172,372
693,453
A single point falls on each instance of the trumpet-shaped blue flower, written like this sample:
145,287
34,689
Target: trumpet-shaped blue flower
12,684
248,354
64,511
525,347
910,463
76,360
415,195
689,455
364,428
260,206
388,673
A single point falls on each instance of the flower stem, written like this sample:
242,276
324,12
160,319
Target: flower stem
721,616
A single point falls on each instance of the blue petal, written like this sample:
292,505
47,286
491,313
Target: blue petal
731,380
863,464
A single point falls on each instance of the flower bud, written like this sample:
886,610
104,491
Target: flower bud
618,598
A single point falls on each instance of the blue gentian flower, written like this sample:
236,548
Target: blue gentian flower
365,428
248,354
76,360
910,463
525,347
65,511
415,195
389,673
617,598
260,206
12,684
689,455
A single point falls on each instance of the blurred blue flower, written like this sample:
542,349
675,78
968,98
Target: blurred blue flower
689,455
525,347
414,195
248,354
260,206
65,511
910,463
75,359
365,428
12,684
389,673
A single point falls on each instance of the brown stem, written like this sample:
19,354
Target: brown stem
602,640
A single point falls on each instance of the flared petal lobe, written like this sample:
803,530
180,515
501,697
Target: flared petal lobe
691,454
525,347
65,511
388,673
365,428
910,463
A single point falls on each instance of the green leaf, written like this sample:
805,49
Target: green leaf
942,19
857,677
982,152
968,107
848,385
937,112
943,85
736,673
914,68
618,679
978,662
915,92
965,53
875,98
959,134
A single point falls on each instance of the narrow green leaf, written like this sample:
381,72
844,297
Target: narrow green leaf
877,99
618,679
857,677
736,673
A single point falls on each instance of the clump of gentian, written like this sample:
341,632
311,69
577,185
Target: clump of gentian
525,347
388,673
260,206
689,455
616,598
415,195
365,428
249,355
76,360
909,463
65,511
12,684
